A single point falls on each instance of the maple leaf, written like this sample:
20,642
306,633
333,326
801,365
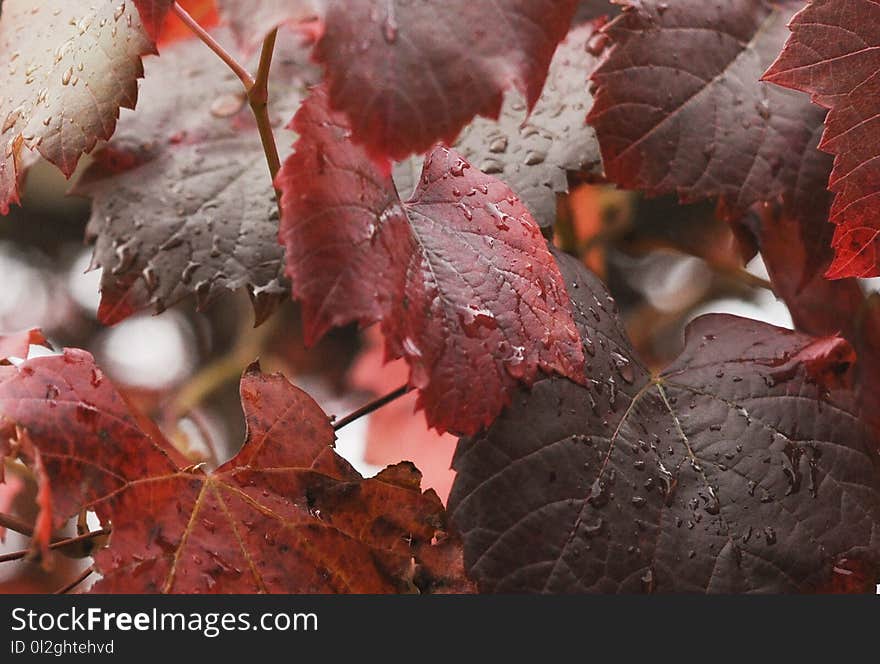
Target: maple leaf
63,84
831,54
412,74
679,107
251,20
533,152
286,514
182,198
459,275
740,468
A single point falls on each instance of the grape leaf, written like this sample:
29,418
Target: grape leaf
740,468
182,198
459,275
832,55
68,66
286,514
533,153
411,74
679,107
251,20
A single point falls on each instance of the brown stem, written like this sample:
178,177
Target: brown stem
85,574
12,523
372,406
258,97
18,555
242,73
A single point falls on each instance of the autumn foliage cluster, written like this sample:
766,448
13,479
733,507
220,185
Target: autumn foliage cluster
407,165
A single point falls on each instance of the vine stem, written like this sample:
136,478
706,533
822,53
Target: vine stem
85,574
12,523
258,97
18,555
372,406
256,87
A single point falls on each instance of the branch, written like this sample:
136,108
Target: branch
86,573
12,523
372,406
18,555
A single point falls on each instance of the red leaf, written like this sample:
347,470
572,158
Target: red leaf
741,467
459,275
18,344
832,54
679,107
173,29
411,74
153,14
286,514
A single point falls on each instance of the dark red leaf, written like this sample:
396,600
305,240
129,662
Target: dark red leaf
832,54
679,107
64,82
286,514
742,467
411,74
459,275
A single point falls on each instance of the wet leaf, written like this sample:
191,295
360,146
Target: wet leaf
533,153
67,68
182,202
459,275
679,107
286,514
428,68
742,467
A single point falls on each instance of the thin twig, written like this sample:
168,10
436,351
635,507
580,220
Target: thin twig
12,523
85,574
242,73
18,555
370,407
